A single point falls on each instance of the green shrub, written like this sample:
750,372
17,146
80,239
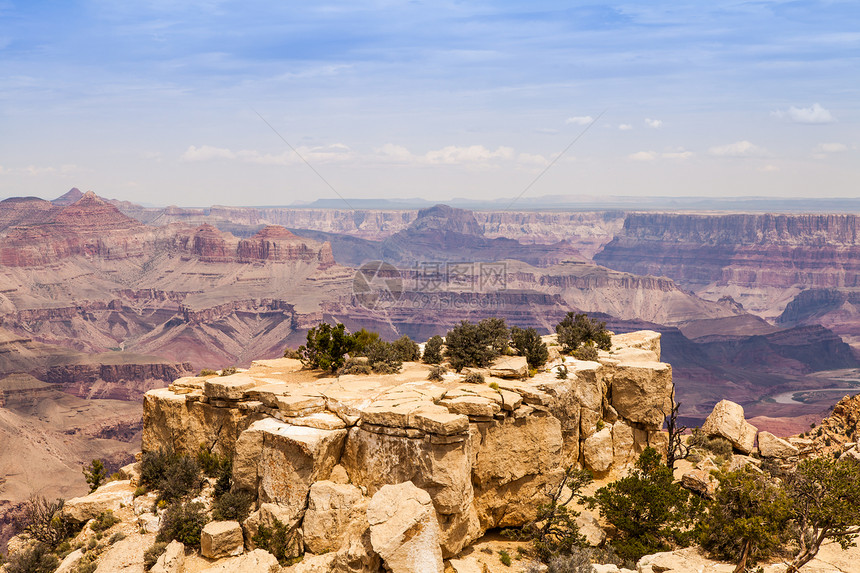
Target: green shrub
358,365
649,510
474,345
383,357
95,474
44,521
505,558
104,521
495,332
474,378
118,536
152,553
433,350
232,506
327,346
364,338
229,371
586,352
436,373
279,540
34,559
717,445
561,372
748,520
173,475
207,372
577,329
291,353
183,521
211,464
406,349
528,344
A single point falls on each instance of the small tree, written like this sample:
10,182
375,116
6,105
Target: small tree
576,329
554,530
467,345
650,511
363,339
433,350
95,474
407,349
528,343
327,346
748,519
383,357
495,332
676,449
825,496
43,520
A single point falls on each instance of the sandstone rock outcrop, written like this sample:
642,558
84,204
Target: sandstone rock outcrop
404,530
482,453
221,539
771,446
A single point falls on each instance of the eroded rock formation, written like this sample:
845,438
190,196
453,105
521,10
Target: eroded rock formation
482,453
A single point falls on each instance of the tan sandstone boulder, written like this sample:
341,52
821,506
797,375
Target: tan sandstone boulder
771,446
404,530
109,497
641,392
221,539
328,515
727,420
597,451
256,561
172,560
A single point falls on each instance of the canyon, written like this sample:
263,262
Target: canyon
104,300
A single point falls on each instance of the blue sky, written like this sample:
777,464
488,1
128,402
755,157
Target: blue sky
157,101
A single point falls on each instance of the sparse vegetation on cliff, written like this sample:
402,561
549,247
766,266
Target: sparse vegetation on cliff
327,346
475,345
95,474
433,350
577,329
527,342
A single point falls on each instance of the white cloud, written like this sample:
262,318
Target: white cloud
769,168
625,127
580,120
738,149
809,115
394,152
831,147
643,156
677,155
453,154
653,155
655,123
206,153
532,159
33,170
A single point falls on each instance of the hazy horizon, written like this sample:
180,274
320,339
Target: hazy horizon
159,102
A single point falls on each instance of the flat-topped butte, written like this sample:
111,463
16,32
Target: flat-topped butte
484,452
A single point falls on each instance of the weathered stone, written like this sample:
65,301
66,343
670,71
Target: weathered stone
221,539
256,561
597,451
314,564
590,387
438,420
300,404
172,560
700,481
590,528
771,446
109,497
280,461
622,444
126,555
404,530
231,387
511,367
70,562
588,422
130,472
318,420
149,522
642,339
443,470
641,392
727,420
329,508
514,460
681,561
471,406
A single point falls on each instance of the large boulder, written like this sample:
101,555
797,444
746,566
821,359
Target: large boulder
172,560
509,367
515,459
280,461
727,420
701,482
597,451
328,515
221,539
256,561
770,446
590,529
404,530
642,392
109,497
